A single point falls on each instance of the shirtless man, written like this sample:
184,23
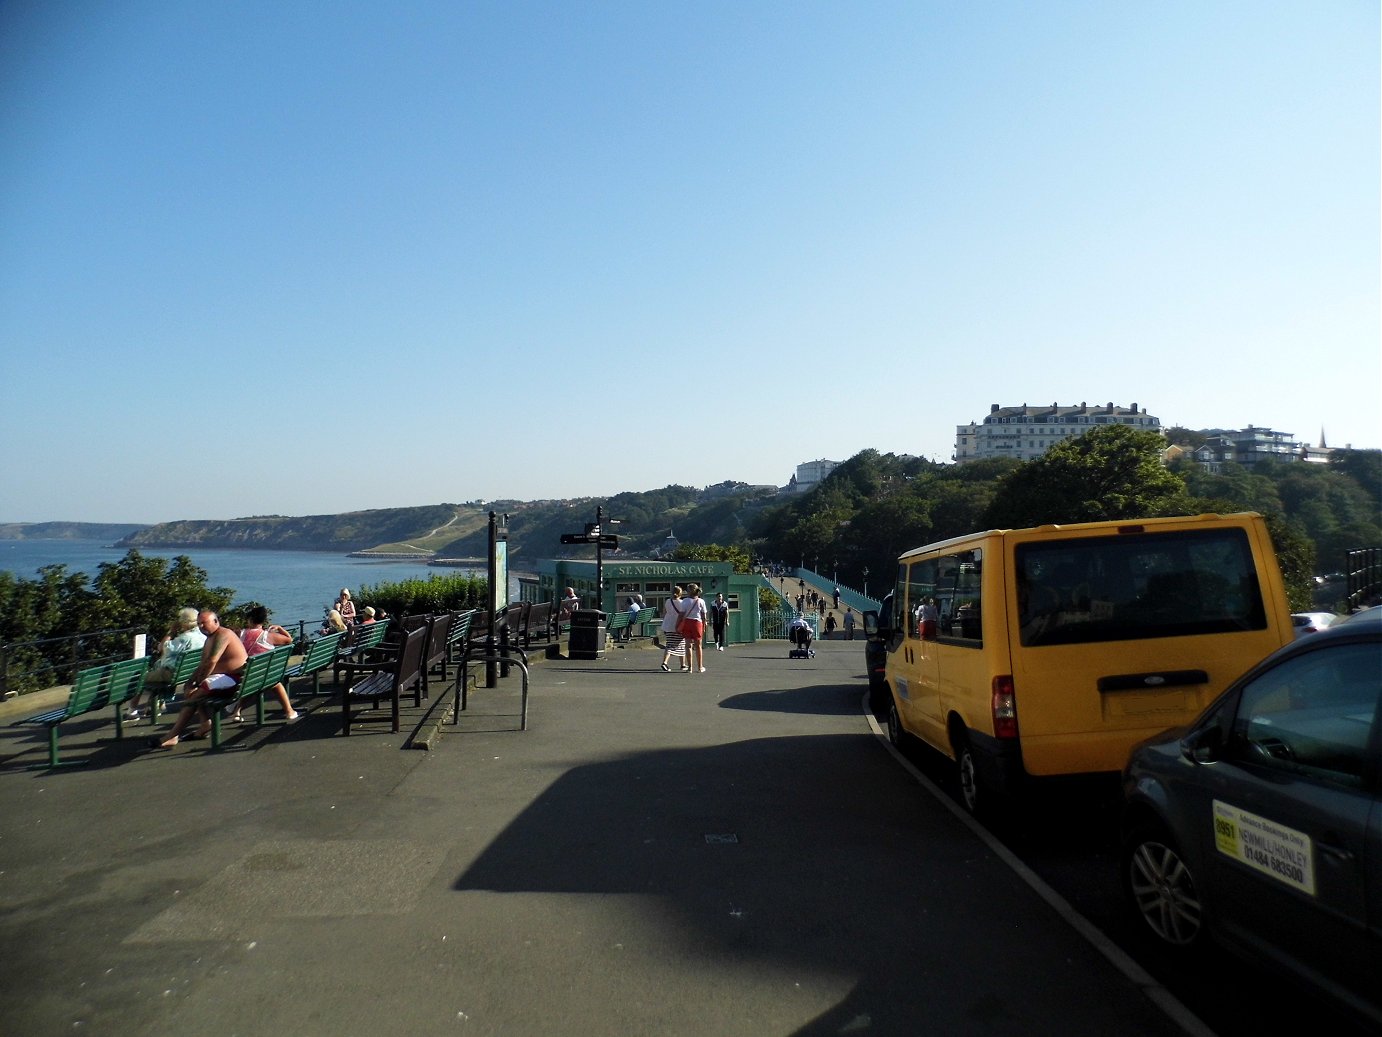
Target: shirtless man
223,661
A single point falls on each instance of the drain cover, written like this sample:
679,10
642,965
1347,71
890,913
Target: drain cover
721,838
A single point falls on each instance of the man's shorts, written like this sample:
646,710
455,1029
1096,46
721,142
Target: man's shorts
219,682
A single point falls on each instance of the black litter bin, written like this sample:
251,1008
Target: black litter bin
587,634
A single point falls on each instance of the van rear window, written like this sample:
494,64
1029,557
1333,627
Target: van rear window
1137,586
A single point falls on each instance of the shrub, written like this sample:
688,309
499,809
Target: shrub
418,596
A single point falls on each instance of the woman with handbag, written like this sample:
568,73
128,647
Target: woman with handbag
672,641
692,626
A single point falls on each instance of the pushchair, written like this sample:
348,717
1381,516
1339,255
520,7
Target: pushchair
801,637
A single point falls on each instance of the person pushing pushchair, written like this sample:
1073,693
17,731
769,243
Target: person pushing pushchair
800,634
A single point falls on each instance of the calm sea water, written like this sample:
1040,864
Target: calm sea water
293,584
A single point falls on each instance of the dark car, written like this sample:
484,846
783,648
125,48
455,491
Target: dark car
1260,823
877,628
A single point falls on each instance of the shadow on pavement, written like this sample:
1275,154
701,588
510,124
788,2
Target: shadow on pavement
801,855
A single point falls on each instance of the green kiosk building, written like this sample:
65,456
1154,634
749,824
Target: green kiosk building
654,580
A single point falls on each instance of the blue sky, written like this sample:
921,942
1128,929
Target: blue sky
303,258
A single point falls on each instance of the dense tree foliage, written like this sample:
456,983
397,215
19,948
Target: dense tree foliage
873,507
737,556
1112,472
136,593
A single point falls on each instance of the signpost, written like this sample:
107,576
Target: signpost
601,540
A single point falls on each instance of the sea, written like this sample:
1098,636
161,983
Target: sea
295,585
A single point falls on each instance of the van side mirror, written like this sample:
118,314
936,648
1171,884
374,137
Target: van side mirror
871,623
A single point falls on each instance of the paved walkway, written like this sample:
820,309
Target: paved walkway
729,853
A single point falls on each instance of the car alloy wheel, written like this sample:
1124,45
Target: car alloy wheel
1162,888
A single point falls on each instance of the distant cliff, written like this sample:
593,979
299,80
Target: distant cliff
109,531
352,531
646,519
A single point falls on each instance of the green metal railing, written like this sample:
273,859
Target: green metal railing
48,662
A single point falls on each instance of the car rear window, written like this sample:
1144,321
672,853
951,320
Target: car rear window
1137,586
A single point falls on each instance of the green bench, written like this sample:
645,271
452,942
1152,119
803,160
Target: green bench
320,655
261,673
95,688
621,621
458,640
185,665
364,638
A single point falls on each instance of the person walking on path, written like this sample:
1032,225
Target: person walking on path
849,624
672,641
837,597
719,619
694,615
830,626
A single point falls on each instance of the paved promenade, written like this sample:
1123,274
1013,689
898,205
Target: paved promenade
728,853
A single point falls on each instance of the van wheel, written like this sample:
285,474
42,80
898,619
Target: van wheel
974,801
896,735
1161,888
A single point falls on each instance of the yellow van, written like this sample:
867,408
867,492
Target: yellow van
1052,651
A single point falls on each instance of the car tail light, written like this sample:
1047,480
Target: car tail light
1004,708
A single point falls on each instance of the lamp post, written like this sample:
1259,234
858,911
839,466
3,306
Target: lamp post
835,572
816,564
866,581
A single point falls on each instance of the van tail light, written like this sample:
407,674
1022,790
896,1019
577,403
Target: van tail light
1004,708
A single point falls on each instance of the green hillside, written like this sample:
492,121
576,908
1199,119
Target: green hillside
352,531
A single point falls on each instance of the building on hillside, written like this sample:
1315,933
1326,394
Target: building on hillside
1024,432
809,475
1252,446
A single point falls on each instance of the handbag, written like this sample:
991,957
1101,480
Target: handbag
686,626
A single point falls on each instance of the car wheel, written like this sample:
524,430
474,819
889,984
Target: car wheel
1161,887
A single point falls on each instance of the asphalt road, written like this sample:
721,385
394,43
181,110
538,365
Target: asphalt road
1068,836
729,853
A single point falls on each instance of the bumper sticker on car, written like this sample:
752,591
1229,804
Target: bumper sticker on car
1273,849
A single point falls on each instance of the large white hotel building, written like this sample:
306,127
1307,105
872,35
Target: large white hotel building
1026,432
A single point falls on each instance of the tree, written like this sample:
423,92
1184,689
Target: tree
1365,468
1112,472
736,556
1295,553
146,593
